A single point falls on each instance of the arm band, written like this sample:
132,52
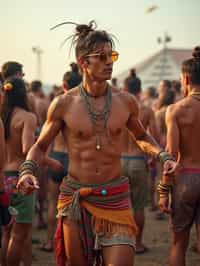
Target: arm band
164,156
28,167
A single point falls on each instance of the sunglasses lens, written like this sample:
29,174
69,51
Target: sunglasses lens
114,56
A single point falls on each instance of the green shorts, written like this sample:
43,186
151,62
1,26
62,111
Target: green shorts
135,167
24,204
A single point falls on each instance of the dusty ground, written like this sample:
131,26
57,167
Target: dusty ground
156,236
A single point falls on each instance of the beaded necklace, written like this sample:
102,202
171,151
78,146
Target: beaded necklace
195,95
98,118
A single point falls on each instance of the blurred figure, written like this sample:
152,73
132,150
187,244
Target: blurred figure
163,87
114,83
134,80
134,165
166,97
176,87
15,69
149,97
12,69
41,102
19,129
41,106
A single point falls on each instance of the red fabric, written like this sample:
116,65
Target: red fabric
4,199
59,246
190,170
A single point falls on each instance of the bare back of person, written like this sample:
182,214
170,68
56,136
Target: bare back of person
183,125
41,106
186,113
15,148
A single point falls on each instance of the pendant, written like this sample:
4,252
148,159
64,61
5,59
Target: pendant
98,145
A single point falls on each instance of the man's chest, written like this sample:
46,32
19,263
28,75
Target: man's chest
89,121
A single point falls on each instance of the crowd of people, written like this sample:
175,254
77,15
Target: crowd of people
91,153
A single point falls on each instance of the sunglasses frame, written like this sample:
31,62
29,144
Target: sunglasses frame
102,54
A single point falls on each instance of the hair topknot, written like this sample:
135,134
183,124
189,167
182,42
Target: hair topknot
82,30
196,53
86,38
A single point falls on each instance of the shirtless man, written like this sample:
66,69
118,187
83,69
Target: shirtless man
183,126
94,208
134,165
41,102
19,125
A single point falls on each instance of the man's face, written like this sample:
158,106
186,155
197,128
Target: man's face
98,64
162,89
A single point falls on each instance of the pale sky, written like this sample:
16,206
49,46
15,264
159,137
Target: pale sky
26,23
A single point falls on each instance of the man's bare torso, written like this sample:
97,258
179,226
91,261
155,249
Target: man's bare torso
88,164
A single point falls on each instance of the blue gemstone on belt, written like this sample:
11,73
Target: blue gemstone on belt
104,192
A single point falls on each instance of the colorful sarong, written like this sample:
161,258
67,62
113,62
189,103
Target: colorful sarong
97,209
23,204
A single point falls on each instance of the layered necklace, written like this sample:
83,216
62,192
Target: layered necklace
195,95
99,118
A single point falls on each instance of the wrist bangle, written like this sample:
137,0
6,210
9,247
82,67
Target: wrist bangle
28,167
163,156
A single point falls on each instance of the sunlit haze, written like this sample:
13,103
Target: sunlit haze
26,23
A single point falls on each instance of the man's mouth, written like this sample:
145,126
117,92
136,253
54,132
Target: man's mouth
108,70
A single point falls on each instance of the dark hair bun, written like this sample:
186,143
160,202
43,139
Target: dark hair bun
196,53
83,29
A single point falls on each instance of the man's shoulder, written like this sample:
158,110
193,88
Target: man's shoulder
22,117
124,96
178,107
28,116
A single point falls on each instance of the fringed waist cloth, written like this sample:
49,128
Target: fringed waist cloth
97,209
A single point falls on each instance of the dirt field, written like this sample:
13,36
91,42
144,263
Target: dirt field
157,238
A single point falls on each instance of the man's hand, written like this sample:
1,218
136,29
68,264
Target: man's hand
169,167
164,204
27,184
